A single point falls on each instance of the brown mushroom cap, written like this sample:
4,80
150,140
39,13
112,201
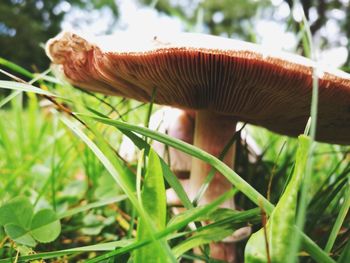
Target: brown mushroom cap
228,77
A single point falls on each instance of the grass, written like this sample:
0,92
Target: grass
62,154
44,161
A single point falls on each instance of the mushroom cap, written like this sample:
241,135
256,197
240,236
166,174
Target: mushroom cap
200,72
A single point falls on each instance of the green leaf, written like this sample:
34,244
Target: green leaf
24,228
2,233
96,204
45,226
121,173
15,67
24,250
169,176
225,222
203,237
93,224
345,256
280,230
98,247
154,203
233,177
170,228
12,85
106,187
310,246
18,211
283,217
19,234
185,215
153,192
340,218
115,166
255,250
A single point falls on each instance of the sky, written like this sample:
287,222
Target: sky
145,21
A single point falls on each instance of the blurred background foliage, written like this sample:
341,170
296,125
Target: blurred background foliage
35,148
26,24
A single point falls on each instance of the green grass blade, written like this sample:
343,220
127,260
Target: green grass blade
34,76
45,77
225,222
9,98
16,68
139,175
279,228
201,211
233,177
202,237
120,172
345,256
283,216
303,201
154,203
169,176
96,204
12,85
340,219
48,255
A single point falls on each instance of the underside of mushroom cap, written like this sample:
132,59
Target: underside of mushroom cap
199,72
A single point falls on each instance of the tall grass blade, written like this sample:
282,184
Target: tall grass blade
139,175
225,222
12,85
201,211
234,178
316,252
169,176
48,255
345,256
154,203
303,202
340,219
16,68
121,174
203,237
96,204
280,229
9,98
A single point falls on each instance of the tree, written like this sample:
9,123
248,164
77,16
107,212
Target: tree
218,17
235,18
26,24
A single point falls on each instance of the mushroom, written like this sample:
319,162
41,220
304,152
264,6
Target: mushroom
174,122
178,124
223,80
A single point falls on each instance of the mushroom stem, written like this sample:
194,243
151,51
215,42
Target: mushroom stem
212,133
